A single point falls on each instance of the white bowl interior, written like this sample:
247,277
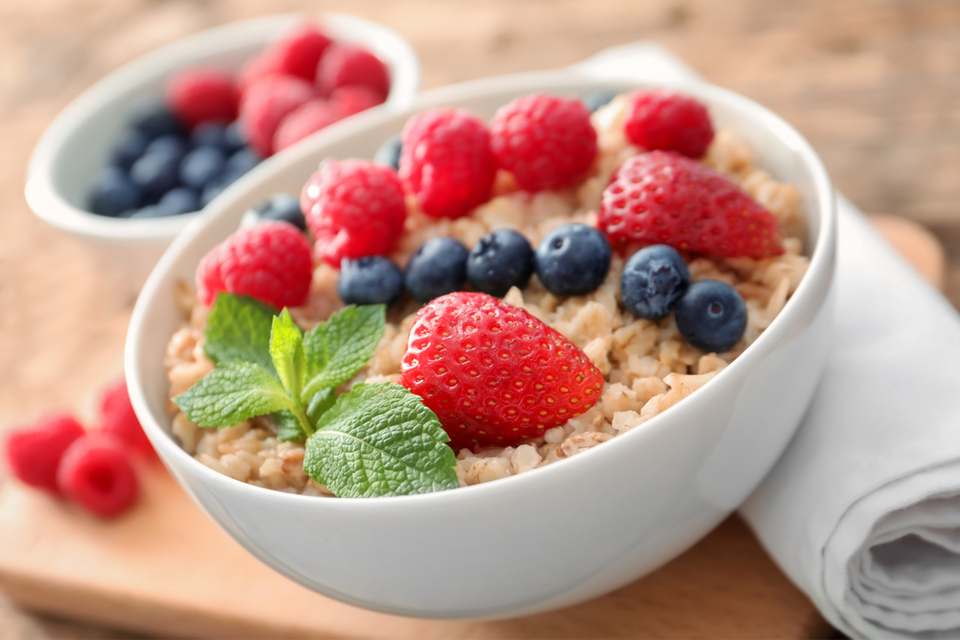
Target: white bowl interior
704,471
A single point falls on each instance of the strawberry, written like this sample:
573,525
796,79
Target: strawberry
663,197
494,374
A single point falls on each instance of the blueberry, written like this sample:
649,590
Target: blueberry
201,166
212,190
114,193
129,149
573,259
181,200
173,146
500,260
370,280
711,316
282,206
155,174
240,162
389,152
152,211
211,134
600,98
154,119
652,281
438,267
233,137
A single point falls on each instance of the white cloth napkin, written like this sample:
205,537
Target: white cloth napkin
863,509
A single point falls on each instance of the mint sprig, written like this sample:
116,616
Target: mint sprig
376,440
380,440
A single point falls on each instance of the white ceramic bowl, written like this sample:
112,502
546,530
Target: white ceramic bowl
78,143
550,537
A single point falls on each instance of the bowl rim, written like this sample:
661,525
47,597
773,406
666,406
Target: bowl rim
821,250
41,190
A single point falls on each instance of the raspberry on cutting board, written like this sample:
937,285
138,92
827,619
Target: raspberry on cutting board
662,197
546,142
269,261
493,373
354,208
34,451
96,474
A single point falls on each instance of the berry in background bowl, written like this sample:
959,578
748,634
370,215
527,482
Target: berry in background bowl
564,515
95,157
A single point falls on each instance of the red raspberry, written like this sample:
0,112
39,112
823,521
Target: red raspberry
354,99
34,451
345,64
546,142
663,197
308,118
264,106
664,120
264,65
354,208
446,162
96,474
494,374
269,261
118,419
202,94
299,52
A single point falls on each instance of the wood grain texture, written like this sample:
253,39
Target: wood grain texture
873,84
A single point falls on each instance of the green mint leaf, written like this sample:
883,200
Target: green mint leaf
380,440
286,349
238,330
232,393
290,429
338,348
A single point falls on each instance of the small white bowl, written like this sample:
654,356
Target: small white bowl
553,536
78,143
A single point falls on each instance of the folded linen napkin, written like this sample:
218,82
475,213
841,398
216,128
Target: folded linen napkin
863,509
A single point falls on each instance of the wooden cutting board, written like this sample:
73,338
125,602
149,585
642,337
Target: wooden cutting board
166,569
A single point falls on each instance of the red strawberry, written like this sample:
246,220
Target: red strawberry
666,198
494,374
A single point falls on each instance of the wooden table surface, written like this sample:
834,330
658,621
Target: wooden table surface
873,84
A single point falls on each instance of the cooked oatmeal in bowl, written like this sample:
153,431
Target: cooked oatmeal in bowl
566,478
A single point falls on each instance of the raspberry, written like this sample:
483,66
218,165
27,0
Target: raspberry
546,142
494,374
300,51
354,208
118,419
664,120
96,473
266,103
354,99
202,94
308,118
446,162
264,65
665,198
34,451
345,64
269,261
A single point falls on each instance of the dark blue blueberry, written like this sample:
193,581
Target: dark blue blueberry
389,152
711,316
438,267
173,146
155,174
129,150
500,260
573,259
600,98
211,134
233,137
114,193
370,280
201,166
213,189
154,119
241,162
652,281
282,206
181,200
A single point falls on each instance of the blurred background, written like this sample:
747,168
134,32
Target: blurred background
873,84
